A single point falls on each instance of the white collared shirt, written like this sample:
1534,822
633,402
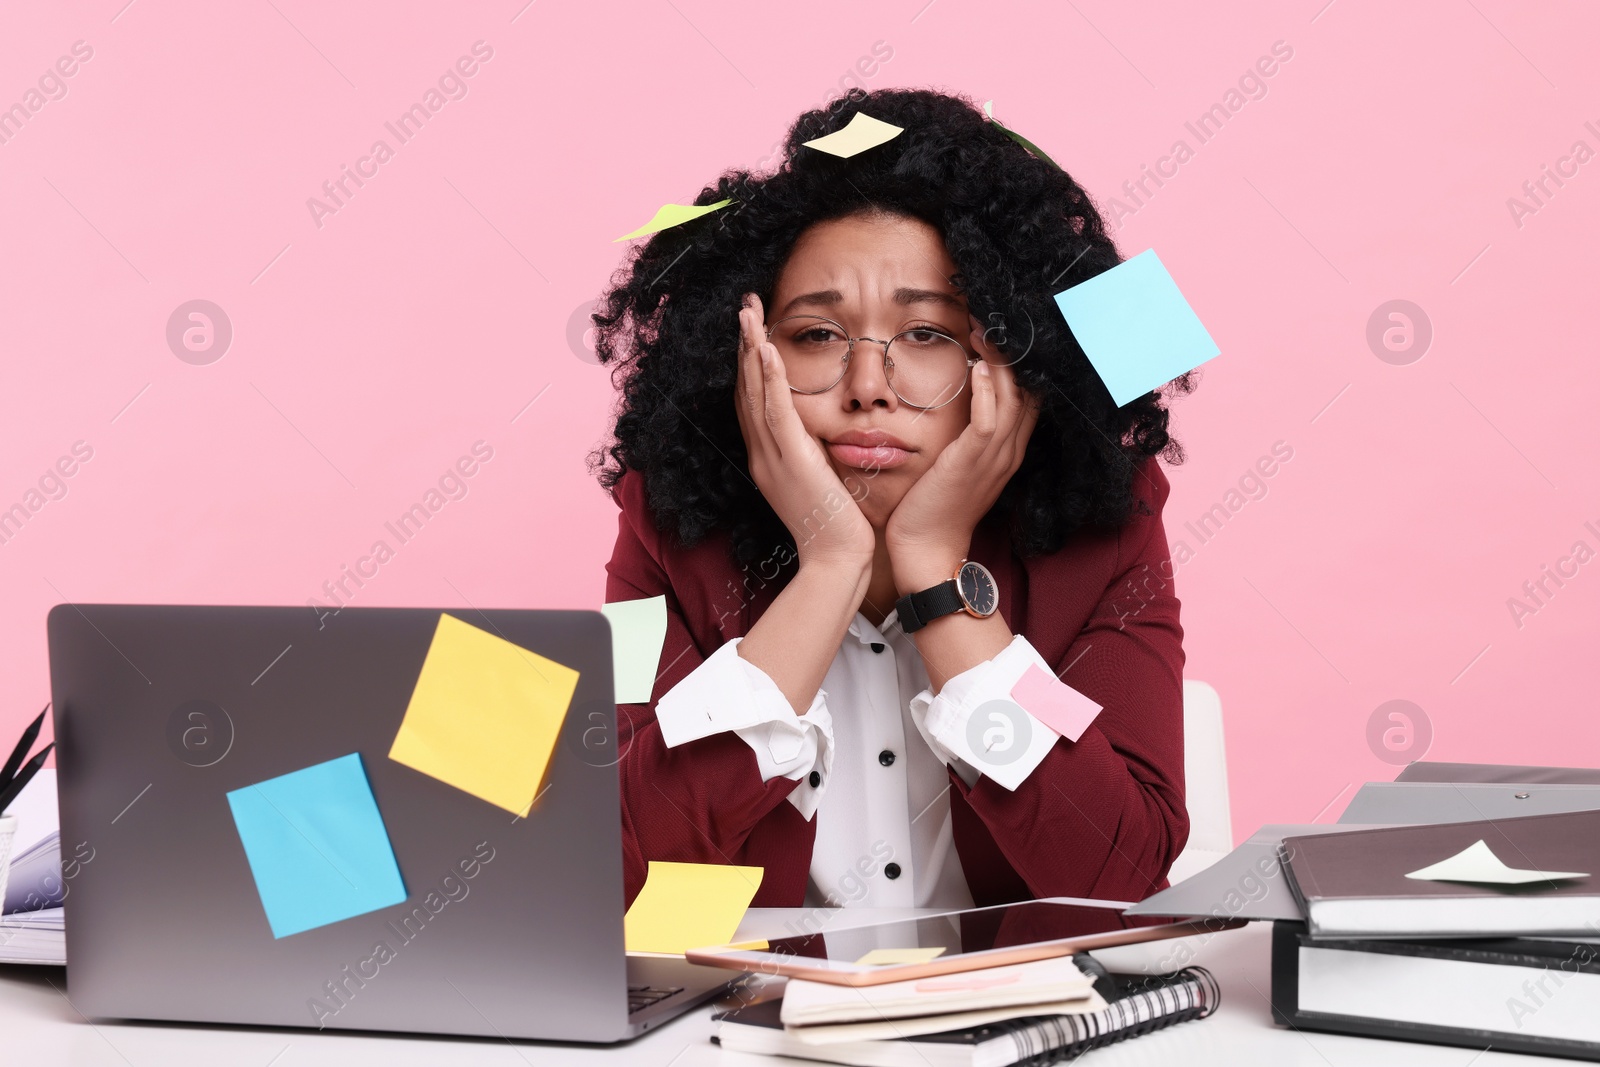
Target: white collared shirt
870,755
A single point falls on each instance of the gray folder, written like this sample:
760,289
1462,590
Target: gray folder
1394,803
1247,883
1425,771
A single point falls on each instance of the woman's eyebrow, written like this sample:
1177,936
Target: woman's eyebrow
828,298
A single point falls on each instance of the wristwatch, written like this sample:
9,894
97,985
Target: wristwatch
972,590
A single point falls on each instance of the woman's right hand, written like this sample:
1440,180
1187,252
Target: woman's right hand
786,462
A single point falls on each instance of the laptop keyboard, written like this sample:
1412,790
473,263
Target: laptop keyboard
641,997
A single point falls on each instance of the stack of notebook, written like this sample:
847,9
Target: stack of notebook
1474,922
1040,1012
32,923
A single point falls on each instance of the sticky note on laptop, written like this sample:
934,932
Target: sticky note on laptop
316,845
689,905
1135,326
638,630
485,715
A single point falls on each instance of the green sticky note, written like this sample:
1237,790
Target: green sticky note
638,630
670,215
1135,326
316,845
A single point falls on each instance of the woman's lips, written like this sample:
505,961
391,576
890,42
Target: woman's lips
868,457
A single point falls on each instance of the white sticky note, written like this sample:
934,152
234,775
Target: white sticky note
859,134
638,630
882,957
1478,863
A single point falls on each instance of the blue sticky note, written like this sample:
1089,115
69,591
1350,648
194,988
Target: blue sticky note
317,846
1135,326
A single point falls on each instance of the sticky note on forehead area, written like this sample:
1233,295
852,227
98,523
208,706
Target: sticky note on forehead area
485,715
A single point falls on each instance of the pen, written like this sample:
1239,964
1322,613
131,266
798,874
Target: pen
9,792
17,754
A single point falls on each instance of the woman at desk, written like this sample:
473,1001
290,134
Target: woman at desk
877,481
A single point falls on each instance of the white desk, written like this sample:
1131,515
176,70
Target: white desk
38,1026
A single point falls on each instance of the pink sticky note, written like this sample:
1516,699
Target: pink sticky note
1054,702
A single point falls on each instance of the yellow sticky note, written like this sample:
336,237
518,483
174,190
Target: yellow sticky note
689,905
485,715
670,215
859,134
750,946
880,957
638,630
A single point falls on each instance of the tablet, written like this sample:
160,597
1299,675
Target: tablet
953,942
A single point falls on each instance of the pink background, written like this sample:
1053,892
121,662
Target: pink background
433,307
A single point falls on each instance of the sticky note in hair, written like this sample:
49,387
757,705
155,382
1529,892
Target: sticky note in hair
859,134
988,109
1054,702
1135,326
670,215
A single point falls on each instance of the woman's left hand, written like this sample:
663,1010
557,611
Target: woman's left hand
930,530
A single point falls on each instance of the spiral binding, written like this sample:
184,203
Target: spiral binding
1145,1004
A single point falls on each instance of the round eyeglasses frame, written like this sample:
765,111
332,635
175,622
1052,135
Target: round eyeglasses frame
888,364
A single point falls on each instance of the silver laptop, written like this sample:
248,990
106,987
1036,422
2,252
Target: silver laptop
498,925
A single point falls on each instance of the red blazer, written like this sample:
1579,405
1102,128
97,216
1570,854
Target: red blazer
1103,817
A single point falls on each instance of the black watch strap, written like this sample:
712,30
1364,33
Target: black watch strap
916,610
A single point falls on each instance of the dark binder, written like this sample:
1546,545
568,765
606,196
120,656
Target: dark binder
1289,937
1366,870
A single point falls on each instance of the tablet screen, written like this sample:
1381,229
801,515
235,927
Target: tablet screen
966,931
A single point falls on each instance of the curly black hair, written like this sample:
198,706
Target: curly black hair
1019,230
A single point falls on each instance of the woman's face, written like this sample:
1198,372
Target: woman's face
876,275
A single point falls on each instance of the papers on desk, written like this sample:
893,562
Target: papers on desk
35,879
34,937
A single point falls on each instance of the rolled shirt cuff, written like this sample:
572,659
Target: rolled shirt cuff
729,693
977,727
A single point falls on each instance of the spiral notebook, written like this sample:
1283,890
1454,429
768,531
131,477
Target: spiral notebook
1136,1004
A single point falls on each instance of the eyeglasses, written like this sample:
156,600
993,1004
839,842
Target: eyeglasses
926,368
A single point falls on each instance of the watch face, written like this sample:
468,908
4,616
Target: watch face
977,588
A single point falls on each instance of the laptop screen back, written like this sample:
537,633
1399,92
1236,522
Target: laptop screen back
262,850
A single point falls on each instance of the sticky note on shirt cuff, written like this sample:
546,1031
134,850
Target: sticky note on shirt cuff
1054,702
